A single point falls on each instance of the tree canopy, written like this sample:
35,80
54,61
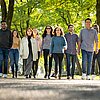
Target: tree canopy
39,13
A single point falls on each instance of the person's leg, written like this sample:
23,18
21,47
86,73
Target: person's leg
56,63
50,65
16,56
36,63
98,60
11,56
1,61
93,64
6,53
60,63
73,65
89,63
24,64
84,63
45,54
68,65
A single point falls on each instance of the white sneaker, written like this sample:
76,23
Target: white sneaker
83,76
93,77
5,75
88,77
0,74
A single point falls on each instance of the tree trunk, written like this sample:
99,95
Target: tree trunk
98,12
10,13
3,9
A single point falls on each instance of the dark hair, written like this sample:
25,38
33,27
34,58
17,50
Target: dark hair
70,25
13,33
3,21
27,30
62,33
96,27
45,32
88,19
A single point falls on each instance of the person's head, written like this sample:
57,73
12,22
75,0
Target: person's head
15,33
58,31
48,30
3,25
70,28
29,32
88,23
96,27
35,32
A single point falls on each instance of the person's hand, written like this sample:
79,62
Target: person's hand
78,52
21,56
96,51
50,55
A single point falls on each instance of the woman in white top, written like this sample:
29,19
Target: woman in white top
39,43
28,52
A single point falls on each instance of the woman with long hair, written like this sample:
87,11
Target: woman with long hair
28,52
14,53
46,42
58,45
39,43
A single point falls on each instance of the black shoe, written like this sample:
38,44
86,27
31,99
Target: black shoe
48,77
29,76
26,76
72,77
45,76
34,76
55,76
68,77
59,77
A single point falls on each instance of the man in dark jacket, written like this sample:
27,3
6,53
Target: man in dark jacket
5,44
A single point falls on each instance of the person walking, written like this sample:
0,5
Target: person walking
71,52
28,52
14,53
46,42
39,43
96,56
87,38
6,41
58,45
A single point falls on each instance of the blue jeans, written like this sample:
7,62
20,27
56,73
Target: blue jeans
86,61
4,58
14,57
69,61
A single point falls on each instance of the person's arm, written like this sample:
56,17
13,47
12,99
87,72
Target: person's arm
65,44
51,47
10,39
79,42
96,41
96,48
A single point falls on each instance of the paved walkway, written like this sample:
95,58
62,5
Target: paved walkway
30,89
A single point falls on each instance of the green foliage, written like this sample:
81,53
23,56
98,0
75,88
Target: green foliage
40,13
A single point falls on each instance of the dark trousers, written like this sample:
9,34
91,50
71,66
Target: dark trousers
95,56
4,58
69,61
14,58
46,60
35,65
58,57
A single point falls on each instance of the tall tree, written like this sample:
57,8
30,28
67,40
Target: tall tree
7,15
98,12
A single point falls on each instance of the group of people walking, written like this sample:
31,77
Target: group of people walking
53,45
